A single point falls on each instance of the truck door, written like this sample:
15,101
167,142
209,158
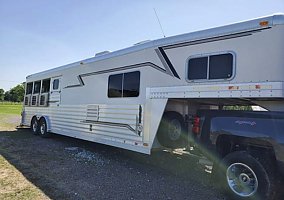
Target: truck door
55,92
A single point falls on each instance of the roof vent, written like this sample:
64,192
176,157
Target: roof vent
142,42
102,53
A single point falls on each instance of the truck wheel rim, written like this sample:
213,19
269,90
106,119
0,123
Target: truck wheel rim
174,130
42,128
242,179
35,126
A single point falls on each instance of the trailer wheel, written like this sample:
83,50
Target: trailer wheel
35,126
43,128
244,177
172,131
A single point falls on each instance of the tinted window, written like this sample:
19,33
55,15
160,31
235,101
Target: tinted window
197,68
115,85
45,86
37,87
29,88
55,84
131,83
221,66
124,85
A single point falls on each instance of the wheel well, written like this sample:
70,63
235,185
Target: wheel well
258,148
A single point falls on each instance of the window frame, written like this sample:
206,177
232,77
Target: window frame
208,63
26,88
122,85
34,83
42,85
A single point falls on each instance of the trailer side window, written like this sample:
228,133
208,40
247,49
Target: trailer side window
221,66
36,87
124,85
45,86
197,68
115,85
29,88
55,84
210,67
131,84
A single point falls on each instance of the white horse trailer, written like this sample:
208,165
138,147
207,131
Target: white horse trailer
119,98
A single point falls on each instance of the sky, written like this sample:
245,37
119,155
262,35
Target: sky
37,35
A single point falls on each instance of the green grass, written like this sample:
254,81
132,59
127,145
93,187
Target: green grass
14,109
9,115
14,186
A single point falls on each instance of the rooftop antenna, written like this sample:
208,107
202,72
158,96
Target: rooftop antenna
159,22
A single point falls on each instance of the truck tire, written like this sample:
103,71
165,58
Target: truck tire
244,177
43,128
35,126
172,131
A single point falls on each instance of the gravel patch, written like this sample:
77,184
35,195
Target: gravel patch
82,155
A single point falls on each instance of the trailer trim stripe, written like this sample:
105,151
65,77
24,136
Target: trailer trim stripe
111,124
146,64
213,39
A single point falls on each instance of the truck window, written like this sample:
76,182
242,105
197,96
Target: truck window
37,87
45,86
124,85
29,88
210,67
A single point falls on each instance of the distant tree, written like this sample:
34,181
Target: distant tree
2,92
7,96
17,93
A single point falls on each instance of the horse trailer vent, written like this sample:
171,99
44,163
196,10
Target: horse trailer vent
34,100
27,100
43,100
92,113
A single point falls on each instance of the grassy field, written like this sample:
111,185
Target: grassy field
9,115
9,108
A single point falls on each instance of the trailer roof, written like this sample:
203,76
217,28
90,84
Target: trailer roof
248,25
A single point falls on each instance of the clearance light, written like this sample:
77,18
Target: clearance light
263,23
257,87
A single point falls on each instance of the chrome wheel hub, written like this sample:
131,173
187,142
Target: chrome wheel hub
242,179
35,125
42,128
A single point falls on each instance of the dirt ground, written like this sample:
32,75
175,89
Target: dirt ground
65,168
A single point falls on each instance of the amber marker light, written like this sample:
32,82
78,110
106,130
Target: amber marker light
263,23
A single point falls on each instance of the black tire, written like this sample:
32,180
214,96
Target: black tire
172,131
43,128
245,177
35,126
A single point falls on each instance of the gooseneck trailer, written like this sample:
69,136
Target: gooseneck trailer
147,95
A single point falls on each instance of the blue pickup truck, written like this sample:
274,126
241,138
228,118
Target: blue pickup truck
246,147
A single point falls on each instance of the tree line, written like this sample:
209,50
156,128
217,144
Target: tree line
15,94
